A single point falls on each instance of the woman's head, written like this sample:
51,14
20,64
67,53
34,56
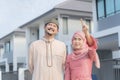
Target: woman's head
78,41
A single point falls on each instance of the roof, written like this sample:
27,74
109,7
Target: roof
18,30
78,5
69,7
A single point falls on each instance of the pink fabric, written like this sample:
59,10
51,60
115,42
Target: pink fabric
79,67
84,47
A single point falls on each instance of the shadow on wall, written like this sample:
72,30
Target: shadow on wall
28,75
10,75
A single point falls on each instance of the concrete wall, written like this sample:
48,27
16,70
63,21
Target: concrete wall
19,51
10,76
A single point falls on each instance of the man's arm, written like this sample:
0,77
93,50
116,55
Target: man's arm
30,59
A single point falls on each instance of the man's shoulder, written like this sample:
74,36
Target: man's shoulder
60,42
36,42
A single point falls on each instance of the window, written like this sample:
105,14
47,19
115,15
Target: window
37,34
117,5
88,22
100,9
117,74
110,7
7,47
65,25
106,8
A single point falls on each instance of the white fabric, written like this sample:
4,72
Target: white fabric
47,65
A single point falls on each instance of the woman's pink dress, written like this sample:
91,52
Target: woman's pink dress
79,67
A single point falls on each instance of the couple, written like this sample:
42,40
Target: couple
48,61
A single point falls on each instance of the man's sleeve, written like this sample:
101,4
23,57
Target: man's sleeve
64,56
30,58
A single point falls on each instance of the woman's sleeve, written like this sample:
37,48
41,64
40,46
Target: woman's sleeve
93,54
30,58
94,46
94,57
67,70
96,60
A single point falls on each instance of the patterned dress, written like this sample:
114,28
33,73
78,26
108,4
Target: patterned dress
79,67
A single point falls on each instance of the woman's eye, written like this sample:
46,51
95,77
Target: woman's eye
79,39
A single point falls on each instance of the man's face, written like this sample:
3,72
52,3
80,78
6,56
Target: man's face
51,29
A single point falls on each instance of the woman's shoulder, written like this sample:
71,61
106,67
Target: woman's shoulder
69,57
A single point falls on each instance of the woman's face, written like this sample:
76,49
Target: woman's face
77,42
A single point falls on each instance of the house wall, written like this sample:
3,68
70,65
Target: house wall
19,53
106,27
8,54
1,53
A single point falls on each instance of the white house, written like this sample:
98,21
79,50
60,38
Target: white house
1,50
67,14
14,51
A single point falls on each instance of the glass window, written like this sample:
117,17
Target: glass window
100,9
65,25
7,47
117,5
37,34
110,7
88,22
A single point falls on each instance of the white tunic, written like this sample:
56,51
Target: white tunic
46,59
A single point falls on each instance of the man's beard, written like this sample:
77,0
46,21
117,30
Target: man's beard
49,33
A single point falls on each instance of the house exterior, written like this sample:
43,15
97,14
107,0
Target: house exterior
106,17
67,14
1,50
14,51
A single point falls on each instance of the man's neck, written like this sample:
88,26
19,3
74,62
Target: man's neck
48,37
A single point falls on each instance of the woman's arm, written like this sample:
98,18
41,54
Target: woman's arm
90,40
67,70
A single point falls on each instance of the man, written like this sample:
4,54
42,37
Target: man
47,56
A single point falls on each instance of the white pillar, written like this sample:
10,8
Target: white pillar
6,67
119,39
27,44
0,75
14,64
21,75
41,29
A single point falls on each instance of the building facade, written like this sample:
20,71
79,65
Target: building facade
13,51
106,17
67,16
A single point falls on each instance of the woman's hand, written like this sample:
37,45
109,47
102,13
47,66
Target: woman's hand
84,26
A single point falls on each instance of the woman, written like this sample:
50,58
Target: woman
79,62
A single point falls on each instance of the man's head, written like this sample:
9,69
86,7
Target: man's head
51,28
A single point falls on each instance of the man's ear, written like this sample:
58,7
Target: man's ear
44,27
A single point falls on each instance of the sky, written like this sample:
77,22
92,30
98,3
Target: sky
14,13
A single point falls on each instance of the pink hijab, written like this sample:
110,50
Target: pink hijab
82,52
